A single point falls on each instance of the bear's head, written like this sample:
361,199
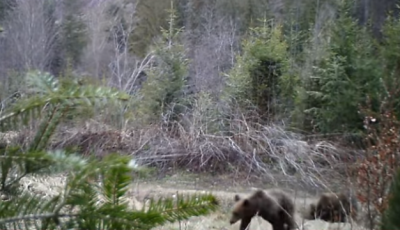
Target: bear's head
243,208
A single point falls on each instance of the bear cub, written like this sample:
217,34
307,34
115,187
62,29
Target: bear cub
274,206
333,207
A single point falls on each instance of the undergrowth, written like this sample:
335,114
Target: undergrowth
248,148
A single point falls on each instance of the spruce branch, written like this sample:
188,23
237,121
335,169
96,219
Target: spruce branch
185,206
81,204
64,96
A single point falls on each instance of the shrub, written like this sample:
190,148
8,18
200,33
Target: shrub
376,171
390,218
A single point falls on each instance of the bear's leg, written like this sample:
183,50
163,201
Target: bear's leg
342,216
244,223
278,224
327,215
290,223
287,220
336,216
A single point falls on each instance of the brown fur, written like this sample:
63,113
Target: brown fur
333,207
274,206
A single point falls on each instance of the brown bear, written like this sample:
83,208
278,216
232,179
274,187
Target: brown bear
333,207
274,206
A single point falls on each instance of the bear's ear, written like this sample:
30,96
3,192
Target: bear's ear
237,197
246,202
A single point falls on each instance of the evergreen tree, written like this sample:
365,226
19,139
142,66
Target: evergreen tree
390,60
163,91
74,38
151,15
81,204
341,78
260,76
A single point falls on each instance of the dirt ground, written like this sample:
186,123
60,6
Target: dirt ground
184,183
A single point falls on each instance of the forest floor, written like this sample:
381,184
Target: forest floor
222,186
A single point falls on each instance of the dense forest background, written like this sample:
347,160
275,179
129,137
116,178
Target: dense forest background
307,64
308,89
209,73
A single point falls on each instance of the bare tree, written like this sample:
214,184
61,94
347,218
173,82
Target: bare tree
108,51
31,33
125,68
212,45
98,51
